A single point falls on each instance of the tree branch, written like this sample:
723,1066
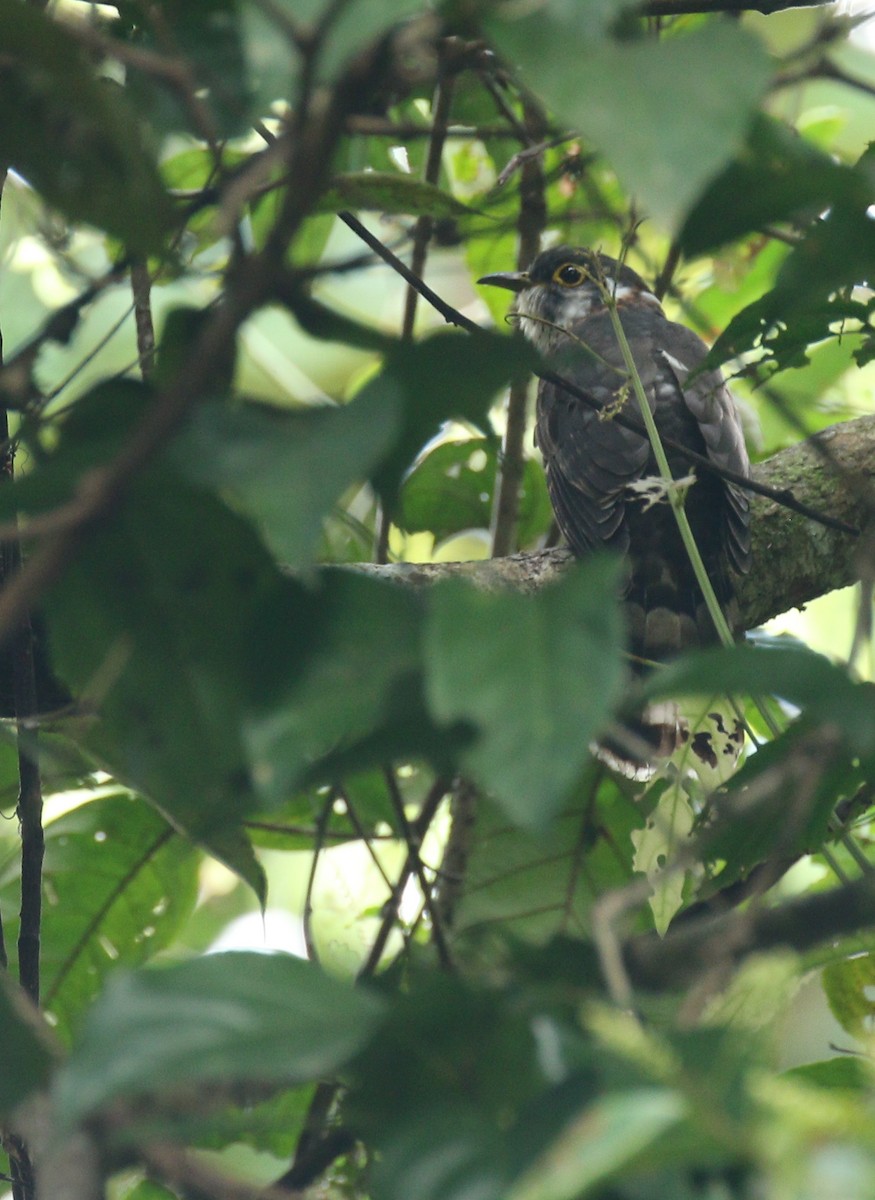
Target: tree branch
794,559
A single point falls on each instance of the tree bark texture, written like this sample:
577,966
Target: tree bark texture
794,560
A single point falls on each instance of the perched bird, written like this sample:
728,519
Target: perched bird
603,477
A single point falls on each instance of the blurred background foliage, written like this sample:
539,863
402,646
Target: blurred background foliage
243,748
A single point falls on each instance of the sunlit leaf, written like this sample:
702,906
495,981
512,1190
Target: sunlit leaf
118,882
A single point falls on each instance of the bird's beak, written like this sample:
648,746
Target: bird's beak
514,281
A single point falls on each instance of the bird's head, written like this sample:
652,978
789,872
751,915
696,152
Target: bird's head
563,286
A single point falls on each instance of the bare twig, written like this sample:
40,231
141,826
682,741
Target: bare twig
531,222
141,287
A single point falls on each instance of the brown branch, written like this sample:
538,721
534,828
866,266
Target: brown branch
692,948
676,8
795,559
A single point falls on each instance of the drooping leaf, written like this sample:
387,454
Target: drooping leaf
72,135
227,1017
174,622
534,677
626,96
118,883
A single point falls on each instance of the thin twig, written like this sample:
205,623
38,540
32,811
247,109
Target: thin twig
318,842
141,288
531,222
426,886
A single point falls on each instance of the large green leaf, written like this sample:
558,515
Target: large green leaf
284,469
536,884
175,622
227,1017
534,676
604,1138
118,882
361,678
72,135
666,114
777,176
447,375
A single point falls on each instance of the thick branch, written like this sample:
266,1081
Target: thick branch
794,559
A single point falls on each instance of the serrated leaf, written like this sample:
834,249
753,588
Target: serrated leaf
388,192
626,97
534,676
72,135
223,1018
118,883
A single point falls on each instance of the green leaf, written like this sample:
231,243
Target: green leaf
175,623
72,135
536,884
808,680
534,676
363,675
388,192
25,1059
627,97
223,1018
285,470
848,986
207,37
604,1138
273,65
777,176
451,489
447,375
118,883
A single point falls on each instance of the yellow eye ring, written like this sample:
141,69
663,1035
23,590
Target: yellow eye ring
569,275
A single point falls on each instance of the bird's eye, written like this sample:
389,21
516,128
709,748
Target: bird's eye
569,275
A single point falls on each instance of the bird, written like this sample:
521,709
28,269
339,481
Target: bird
603,477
